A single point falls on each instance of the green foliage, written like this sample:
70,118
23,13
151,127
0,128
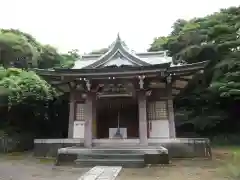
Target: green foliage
49,57
26,100
67,60
158,44
21,50
25,86
16,50
216,38
223,140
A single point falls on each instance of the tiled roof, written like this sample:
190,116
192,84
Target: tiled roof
119,54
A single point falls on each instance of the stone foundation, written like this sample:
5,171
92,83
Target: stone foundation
49,147
128,157
177,148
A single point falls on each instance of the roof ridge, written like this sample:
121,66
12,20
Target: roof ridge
117,46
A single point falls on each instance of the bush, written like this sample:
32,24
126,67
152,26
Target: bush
16,143
226,139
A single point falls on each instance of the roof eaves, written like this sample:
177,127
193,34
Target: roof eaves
188,67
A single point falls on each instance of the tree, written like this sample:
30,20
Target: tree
49,57
15,50
215,38
28,103
25,99
74,53
68,59
158,44
25,86
21,50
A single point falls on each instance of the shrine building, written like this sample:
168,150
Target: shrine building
122,94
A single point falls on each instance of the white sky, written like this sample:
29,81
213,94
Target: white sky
93,24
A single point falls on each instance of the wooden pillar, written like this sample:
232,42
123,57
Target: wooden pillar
71,114
171,117
142,110
172,128
88,120
94,119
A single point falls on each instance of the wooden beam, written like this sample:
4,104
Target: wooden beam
175,91
157,85
177,88
63,88
179,84
189,77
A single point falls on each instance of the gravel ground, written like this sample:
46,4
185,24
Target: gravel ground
32,169
178,170
29,168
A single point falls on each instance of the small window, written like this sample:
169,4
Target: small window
79,112
161,110
157,110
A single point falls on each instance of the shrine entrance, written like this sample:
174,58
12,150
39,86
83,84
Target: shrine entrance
117,118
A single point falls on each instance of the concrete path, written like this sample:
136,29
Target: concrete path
102,173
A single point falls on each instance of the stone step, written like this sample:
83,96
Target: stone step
126,157
126,163
116,151
110,156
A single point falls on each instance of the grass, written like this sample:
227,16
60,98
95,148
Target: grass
230,155
46,160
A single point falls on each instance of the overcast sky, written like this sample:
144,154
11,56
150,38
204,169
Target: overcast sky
92,24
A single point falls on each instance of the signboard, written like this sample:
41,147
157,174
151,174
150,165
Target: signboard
78,129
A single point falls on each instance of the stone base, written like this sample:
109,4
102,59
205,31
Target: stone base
177,148
128,157
156,158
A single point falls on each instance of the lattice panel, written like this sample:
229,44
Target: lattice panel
161,110
157,110
151,111
79,112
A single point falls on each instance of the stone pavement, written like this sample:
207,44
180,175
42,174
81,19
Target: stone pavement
102,173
